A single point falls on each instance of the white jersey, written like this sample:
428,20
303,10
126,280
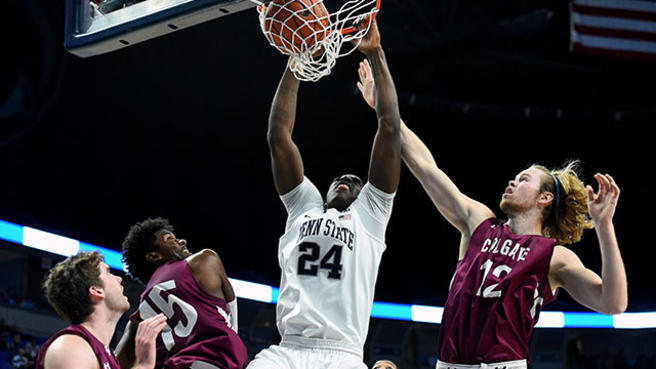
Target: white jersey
329,261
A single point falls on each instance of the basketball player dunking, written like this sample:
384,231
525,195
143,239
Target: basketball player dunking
330,252
508,270
192,291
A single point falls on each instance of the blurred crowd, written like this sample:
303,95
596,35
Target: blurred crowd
6,298
17,350
576,357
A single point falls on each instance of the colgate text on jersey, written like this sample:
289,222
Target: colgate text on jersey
505,247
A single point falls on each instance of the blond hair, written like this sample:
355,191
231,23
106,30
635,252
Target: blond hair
567,216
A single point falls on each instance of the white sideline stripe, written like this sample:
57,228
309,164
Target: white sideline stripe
251,291
635,320
50,242
643,6
551,319
614,43
614,23
426,314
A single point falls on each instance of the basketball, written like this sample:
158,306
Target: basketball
295,26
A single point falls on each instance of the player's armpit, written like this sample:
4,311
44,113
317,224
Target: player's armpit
70,351
125,347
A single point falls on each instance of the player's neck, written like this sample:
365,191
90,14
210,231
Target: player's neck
102,323
525,223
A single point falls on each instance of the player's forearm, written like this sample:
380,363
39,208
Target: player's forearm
283,108
125,348
126,362
415,154
387,104
614,294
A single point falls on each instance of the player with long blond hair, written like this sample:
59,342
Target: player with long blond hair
508,269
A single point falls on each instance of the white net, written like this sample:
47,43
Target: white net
313,36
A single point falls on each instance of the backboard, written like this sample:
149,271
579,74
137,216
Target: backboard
94,28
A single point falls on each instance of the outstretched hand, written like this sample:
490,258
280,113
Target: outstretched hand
601,205
144,342
367,85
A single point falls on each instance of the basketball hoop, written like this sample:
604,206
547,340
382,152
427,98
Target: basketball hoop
312,35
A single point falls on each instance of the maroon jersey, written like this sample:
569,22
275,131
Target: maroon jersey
495,296
106,358
198,326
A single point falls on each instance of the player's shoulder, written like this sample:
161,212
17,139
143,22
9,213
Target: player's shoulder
204,258
206,254
70,351
371,196
303,187
369,187
69,340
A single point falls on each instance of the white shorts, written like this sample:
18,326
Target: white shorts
284,357
515,364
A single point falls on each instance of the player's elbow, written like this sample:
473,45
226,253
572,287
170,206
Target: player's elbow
612,311
614,308
390,122
389,127
276,135
620,307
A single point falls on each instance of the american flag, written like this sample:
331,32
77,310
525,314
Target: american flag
614,28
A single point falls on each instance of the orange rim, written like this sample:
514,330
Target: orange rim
352,29
345,31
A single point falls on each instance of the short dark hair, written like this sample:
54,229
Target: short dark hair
67,285
140,241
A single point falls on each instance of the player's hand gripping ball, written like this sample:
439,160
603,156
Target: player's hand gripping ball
295,26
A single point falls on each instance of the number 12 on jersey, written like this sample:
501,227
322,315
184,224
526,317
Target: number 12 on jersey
490,291
331,261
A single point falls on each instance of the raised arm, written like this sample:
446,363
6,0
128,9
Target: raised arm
385,162
461,211
286,159
606,293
